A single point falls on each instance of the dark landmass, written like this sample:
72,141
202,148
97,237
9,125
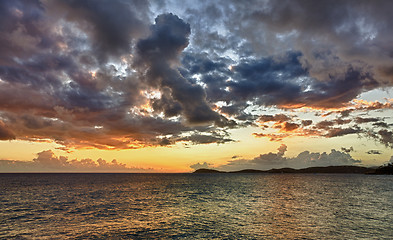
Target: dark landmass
385,170
331,169
205,170
336,169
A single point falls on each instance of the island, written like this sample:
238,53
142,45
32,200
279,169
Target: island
386,169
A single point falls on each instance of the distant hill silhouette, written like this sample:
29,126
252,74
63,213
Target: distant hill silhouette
330,169
205,170
387,169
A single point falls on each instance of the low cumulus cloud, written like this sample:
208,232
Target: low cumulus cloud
47,161
198,165
278,160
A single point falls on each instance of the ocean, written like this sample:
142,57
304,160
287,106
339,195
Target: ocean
196,206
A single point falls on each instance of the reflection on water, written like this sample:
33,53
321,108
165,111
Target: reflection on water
192,206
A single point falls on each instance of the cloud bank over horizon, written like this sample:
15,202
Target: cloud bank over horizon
47,161
304,159
133,74
277,159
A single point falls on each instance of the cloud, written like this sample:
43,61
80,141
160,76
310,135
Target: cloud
280,81
5,133
272,136
159,54
337,132
331,70
328,33
375,152
198,165
47,161
367,120
274,118
347,150
306,122
111,27
76,80
289,127
334,158
282,149
267,160
328,124
206,139
384,136
118,75
302,160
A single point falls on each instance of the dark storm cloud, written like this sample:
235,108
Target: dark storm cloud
159,54
350,32
267,81
280,80
45,67
19,28
166,104
5,133
237,110
101,74
67,74
212,70
201,63
336,50
285,82
111,26
34,122
304,53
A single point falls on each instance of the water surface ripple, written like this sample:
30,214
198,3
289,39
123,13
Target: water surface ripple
196,206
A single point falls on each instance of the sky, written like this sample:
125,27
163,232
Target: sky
172,86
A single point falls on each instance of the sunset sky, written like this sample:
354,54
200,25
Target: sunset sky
172,86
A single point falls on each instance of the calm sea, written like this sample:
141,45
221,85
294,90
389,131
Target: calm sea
196,206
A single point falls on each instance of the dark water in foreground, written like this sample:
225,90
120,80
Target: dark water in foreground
195,206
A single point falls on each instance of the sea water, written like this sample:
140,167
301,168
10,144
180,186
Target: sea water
196,206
